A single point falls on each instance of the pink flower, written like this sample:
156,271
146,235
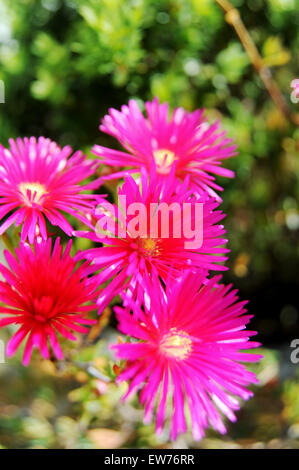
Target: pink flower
185,141
129,258
37,179
45,294
295,93
189,349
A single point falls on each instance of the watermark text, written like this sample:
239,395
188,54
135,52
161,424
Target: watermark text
151,221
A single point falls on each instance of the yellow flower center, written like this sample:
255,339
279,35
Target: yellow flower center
176,344
164,159
149,246
37,191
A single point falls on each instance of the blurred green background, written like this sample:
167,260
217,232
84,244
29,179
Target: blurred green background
63,63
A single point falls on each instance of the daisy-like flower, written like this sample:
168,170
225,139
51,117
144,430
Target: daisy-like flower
39,179
189,347
45,294
185,140
161,245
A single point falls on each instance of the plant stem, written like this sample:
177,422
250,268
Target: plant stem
7,242
232,17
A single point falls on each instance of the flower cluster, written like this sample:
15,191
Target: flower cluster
156,247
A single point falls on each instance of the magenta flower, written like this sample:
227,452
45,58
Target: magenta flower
45,294
129,257
189,349
39,179
185,140
295,93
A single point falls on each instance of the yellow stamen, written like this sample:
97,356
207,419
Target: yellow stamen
37,190
149,246
164,159
177,344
